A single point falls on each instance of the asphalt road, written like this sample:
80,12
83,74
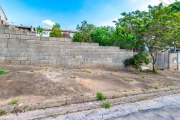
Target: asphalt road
164,113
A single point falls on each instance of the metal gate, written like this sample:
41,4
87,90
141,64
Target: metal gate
162,61
178,60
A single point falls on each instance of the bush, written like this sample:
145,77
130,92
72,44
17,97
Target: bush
106,105
156,72
100,96
137,60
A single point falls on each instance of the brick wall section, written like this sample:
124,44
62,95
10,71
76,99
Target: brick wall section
25,48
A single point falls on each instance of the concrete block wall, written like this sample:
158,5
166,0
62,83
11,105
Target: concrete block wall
25,48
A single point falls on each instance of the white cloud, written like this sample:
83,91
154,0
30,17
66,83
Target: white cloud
142,4
48,22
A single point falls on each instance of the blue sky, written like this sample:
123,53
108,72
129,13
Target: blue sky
69,13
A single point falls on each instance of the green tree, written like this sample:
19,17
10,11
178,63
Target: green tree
126,40
156,28
104,35
175,6
39,30
84,32
56,31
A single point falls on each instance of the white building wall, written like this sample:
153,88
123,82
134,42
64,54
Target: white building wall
3,16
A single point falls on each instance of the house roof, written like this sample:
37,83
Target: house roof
46,29
3,12
70,31
24,27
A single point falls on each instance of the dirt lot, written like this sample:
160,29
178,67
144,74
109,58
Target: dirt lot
39,86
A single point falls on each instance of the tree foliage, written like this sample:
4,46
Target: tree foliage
104,36
84,32
39,30
175,6
56,31
157,29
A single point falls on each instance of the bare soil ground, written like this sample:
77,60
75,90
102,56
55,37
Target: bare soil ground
39,87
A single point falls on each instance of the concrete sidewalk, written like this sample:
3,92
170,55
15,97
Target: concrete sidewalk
163,108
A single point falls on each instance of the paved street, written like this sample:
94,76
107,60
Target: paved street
164,113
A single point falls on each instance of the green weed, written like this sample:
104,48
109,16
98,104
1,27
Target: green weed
73,77
156,72
87,71
171,83
106,105
100,96
14,102
155,87
143,98
2,112
128,80
2,72
143,90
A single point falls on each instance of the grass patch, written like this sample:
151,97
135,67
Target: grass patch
106,105
31,71
2,72
14,102
2,112
155,87
46,69
147,86
128,80
87,71
62,68
100,96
